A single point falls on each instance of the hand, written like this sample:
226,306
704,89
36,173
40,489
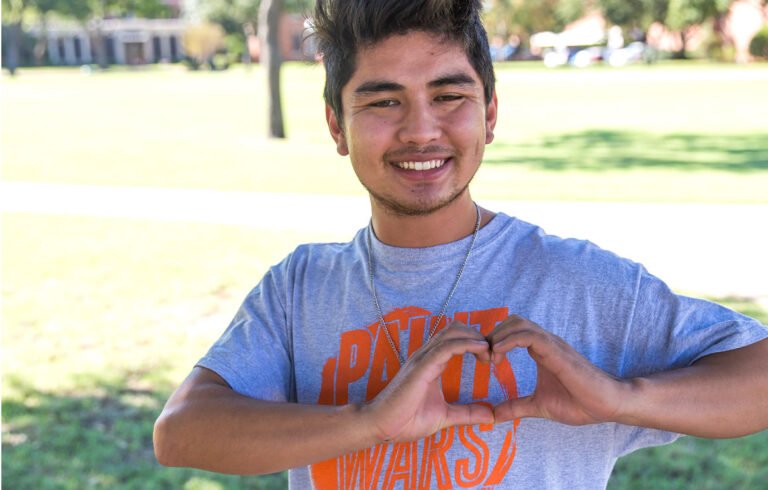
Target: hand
412,406
569,389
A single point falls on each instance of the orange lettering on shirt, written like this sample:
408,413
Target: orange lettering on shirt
385,363
367,352
416,338
438,444
384,366
354,360
487,321
402,466
327,387
466,477
451,378
505,458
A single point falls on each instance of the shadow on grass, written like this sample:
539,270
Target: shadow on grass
702,464
97,437
100,436
602,150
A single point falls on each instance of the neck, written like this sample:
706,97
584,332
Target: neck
448,224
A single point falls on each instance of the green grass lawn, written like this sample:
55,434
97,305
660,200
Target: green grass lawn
103,317
662,133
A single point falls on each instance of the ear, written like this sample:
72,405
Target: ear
337,132
490,118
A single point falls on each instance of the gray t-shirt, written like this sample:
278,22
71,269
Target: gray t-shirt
309,333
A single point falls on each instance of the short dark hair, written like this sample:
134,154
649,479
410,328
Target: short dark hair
344,26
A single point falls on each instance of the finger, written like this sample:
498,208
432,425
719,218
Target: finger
500,346
517,332
433,360
458,330
448,348
472,414
510,326
517,408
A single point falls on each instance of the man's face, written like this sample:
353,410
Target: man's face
415,122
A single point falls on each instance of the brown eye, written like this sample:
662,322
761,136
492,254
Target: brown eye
448,98
384,103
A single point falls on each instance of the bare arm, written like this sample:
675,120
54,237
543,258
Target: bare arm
721,395
207,425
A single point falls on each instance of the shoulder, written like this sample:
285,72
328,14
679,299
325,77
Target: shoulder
550,251
317,258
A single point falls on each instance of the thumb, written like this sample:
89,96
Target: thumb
472,414
517,408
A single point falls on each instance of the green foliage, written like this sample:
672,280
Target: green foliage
635,13
13,10
85,10
685,13
526,17
150,9
758,47
570,10
202,41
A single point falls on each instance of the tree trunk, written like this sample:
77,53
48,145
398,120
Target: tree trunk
269,18
248,31
683,53
98,44
41,45
13,53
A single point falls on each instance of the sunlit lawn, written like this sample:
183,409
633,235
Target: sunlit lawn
660,134
102,317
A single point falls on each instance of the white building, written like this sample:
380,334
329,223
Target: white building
126,41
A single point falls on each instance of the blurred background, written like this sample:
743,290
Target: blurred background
159,155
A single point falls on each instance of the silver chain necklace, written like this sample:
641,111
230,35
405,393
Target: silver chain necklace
382,324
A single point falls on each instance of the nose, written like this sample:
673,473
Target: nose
419,125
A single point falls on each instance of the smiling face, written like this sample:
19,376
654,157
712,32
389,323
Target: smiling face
415,123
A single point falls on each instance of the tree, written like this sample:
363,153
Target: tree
201,42
682,14
13,12
43,9
527,17
269,57
634,13
238,18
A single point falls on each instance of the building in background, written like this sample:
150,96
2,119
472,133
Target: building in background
128,41
138,41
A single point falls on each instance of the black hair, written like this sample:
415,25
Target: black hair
342,27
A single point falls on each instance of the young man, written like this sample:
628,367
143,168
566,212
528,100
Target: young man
447,346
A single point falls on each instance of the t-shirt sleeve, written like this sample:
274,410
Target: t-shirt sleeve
253,354
669,331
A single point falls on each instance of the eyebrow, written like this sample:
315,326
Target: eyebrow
453,79
376,86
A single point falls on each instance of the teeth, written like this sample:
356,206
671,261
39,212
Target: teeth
421,165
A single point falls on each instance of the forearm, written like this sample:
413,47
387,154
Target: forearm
215,429
722,395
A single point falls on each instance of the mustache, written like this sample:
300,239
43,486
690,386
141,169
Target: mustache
417,150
